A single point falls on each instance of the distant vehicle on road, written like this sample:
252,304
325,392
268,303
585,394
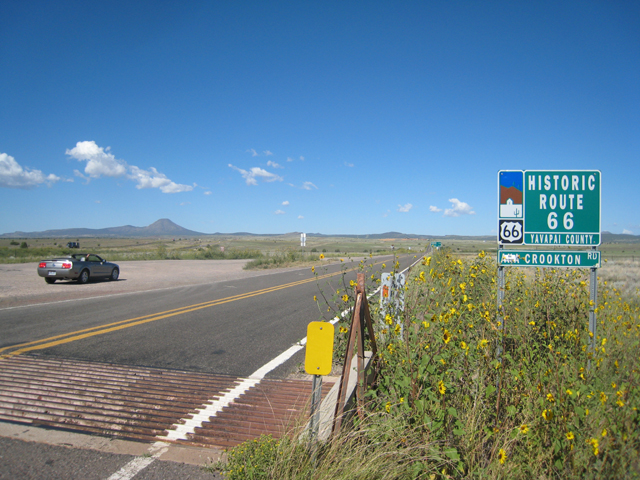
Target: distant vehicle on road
73,245
79,266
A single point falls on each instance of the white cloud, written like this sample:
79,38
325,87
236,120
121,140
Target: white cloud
153,179
184,204
12,175
346,164
405,208
252,175
302,158
289,159
627,232
308,186
101,163
459,208
274,164
253,152
300,217
279,212
207,192
267,153
434,209
97,201
286,202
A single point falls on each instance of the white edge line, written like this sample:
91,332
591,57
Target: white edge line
186,426
132,468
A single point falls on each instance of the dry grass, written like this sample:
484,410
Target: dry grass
622,274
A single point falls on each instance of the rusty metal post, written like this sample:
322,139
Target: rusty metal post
361,374
344,378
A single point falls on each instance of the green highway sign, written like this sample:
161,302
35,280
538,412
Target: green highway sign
436,244
549,207
539,258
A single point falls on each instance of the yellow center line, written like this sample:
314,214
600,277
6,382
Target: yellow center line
132,322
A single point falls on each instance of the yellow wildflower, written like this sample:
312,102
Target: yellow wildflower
502,455
569,436
441,388
550,397
594,444
447,336
321,256
345,298
603,398
524,429
387,407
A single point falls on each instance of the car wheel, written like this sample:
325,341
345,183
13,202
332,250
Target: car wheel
115,273
84,276
50,280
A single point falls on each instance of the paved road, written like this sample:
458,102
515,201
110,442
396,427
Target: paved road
232,326
228,327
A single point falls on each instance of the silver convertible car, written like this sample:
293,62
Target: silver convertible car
79,266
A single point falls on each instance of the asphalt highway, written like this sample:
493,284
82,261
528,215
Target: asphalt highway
232,327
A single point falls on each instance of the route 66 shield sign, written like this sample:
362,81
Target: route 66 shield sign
511,231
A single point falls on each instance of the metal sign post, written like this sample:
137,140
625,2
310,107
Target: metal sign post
593,304
318,362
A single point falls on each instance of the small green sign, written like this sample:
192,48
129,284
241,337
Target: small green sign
436,244
540,258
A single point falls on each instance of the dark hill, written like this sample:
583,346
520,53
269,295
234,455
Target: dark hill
160,228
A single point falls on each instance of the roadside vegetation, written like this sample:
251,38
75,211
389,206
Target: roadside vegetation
464,393
265,252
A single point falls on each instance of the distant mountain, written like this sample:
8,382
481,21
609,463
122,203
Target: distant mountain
160,228
166,228
608,237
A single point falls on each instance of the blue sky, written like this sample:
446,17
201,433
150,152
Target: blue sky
330,117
